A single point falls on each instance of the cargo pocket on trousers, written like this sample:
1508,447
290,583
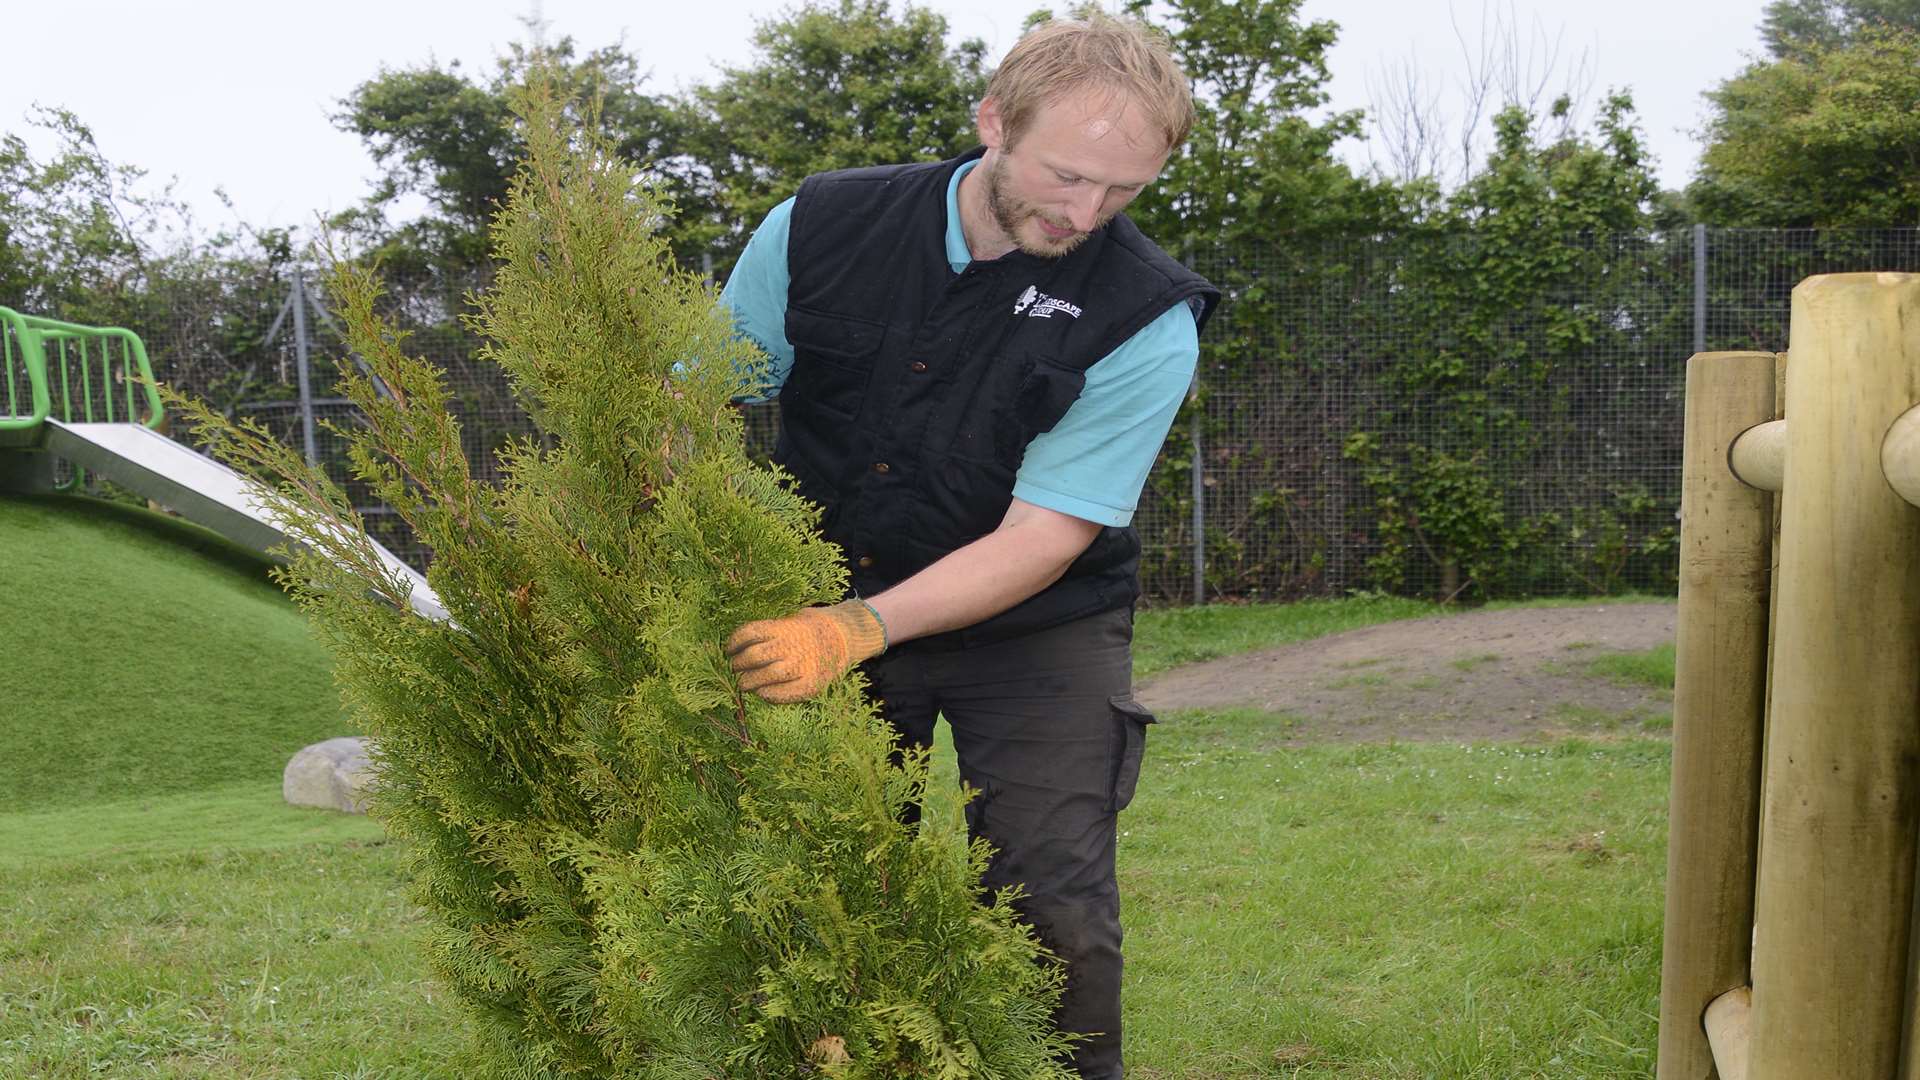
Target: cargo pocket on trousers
1130,720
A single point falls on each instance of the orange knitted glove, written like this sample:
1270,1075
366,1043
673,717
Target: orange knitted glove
794,658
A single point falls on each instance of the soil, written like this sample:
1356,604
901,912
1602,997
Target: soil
1484,675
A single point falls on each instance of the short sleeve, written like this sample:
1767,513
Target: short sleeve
756,294
1094,462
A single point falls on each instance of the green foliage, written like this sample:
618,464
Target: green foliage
1468,416
1575,185
633,868
1435,505
1249,201
439,133
1828,136
1794,27
71,227
86,239
832,86
1259,169
214,298
1613,542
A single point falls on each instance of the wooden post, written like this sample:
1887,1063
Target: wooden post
1900,460
1836,882
1718,694
1773,612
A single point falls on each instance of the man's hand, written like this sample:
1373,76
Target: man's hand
792,659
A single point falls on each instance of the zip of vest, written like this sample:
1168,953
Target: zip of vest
915,391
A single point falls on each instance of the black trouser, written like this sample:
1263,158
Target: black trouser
1047,729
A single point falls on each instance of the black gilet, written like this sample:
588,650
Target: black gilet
914,390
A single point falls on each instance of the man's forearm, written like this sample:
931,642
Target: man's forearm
1029,552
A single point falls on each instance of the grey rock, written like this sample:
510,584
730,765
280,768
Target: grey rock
334,774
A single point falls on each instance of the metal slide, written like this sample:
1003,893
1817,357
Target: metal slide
200,489
74,392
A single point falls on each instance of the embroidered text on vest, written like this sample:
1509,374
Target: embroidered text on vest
1043,305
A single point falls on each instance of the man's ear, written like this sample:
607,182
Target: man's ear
991,124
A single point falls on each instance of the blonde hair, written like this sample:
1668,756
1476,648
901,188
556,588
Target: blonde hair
1098,51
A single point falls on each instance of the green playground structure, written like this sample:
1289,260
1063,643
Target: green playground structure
78,374
85,396
90,366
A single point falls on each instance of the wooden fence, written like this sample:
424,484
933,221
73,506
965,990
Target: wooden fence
1796,760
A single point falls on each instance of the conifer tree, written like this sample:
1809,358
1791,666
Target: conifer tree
633,869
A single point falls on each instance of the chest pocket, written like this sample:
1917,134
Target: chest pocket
1045,394
833,359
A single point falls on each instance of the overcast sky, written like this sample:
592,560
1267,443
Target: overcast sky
237,94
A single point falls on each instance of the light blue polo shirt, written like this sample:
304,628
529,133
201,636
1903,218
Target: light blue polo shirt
1094,462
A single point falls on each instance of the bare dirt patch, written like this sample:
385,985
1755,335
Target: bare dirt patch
1510,674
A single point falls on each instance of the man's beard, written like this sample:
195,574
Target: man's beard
1009,213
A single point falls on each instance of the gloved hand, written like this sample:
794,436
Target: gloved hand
794,658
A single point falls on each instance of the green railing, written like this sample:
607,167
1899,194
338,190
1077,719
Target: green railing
74,373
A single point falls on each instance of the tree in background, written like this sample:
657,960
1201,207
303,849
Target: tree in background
439,134
1827,136
1259,169
75,228
832,86
1792,28
1510,280
1437,136
87,240
1582,184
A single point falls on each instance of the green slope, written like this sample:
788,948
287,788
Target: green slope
142,655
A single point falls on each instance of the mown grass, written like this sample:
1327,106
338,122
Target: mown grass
1653,667
144,654
1393,911
231,961
1589,718
246,816
1348,912
1168,637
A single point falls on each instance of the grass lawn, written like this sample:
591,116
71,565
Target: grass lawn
1168,637
1373,911
1651,668
145,654
1392,911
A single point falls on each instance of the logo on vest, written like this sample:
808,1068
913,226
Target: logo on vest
1039,305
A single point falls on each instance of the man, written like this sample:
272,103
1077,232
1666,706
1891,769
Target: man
978,361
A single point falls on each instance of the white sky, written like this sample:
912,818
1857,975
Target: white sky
236,94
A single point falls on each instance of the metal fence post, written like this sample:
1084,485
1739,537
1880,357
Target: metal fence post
300,362
1199,496
1699,288
1198,470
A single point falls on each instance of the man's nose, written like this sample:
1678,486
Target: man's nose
1085,211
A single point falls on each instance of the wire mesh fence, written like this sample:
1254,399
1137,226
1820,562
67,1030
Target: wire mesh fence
1362,419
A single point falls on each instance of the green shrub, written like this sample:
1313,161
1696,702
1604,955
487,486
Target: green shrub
635,869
